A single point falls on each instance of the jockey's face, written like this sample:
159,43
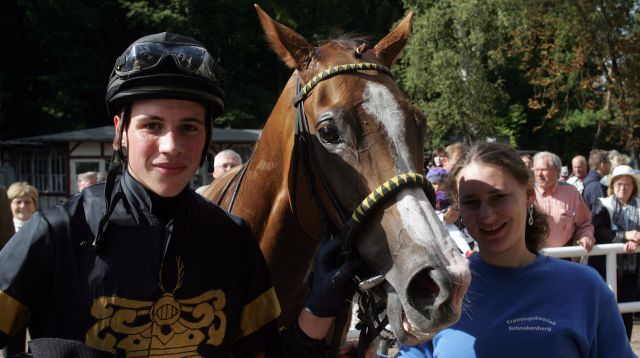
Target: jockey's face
164,141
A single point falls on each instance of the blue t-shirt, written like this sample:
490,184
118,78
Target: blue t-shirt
550,308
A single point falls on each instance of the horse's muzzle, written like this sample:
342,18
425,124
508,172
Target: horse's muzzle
427,305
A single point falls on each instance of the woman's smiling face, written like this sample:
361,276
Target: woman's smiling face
623,188
493,206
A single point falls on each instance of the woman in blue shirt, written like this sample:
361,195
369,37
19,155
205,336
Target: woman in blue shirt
520,303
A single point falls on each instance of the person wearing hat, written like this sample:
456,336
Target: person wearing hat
141,265
616,218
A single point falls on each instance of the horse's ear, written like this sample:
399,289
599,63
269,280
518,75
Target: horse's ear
289,45
389,47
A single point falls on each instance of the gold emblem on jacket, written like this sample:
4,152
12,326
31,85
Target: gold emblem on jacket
168,327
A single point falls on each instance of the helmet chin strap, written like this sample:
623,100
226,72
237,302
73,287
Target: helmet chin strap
208,123
126,114
117,166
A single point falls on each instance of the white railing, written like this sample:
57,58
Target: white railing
610,251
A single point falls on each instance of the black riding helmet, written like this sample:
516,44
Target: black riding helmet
159,66
166,65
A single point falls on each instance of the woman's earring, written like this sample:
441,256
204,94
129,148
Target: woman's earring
530,211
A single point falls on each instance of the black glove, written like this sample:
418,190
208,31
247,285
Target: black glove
331,282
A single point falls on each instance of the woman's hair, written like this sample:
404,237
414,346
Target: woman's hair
618,159
21,188
454,151
634,192
439,151
509,161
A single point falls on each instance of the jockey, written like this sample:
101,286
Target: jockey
141,265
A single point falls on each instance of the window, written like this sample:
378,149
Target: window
46,170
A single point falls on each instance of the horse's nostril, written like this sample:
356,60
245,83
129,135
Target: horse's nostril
422,290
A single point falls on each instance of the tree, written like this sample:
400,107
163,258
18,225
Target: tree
451,70
537,72
582,58
54,73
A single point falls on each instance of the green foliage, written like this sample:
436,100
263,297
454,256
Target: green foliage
512,123
171,15
581,57
583,119
449,68
537,72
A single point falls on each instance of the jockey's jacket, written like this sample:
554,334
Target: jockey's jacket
175,277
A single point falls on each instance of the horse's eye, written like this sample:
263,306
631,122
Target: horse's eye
328,132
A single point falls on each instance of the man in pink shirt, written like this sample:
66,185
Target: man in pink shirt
569,216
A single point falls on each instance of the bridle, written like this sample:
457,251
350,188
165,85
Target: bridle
303,148
371,325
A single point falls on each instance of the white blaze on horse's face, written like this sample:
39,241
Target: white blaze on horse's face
381,104
427,284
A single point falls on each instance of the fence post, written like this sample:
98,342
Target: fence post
612,273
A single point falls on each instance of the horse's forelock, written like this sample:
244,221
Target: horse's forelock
348,42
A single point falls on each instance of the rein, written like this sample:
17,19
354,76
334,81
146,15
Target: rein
369,311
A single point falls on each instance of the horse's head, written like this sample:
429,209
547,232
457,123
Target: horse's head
363,132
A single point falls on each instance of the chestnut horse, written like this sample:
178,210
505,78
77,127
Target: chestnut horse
358,131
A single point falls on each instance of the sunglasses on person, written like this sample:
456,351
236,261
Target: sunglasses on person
143,56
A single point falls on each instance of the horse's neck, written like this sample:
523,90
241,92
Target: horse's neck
263,199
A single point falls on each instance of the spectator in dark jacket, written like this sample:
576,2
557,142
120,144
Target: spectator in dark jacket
599,166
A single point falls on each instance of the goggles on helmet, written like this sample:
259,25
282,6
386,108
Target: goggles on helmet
144,56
